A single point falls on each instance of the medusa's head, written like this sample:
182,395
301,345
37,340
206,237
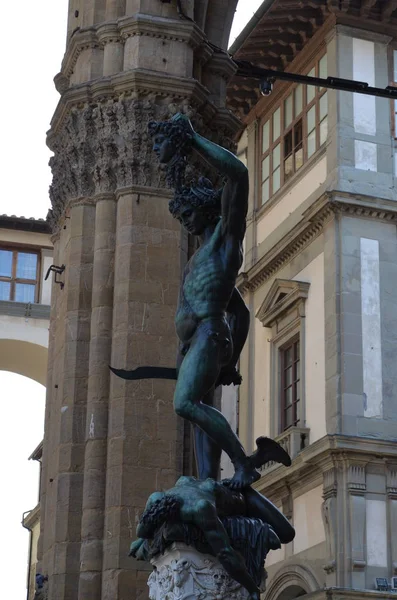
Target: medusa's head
171,138
197,207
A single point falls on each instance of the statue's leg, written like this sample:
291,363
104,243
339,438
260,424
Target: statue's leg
197,375
260,507
207,520
208,453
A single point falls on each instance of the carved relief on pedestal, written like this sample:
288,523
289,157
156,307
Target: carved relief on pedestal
193,576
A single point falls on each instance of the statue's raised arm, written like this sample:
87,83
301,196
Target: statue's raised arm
235,193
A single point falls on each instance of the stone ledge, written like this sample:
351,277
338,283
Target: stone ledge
310,464
310,226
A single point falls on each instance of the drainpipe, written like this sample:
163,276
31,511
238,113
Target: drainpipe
30,551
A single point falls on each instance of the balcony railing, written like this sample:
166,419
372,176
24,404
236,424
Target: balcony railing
22,309
293,440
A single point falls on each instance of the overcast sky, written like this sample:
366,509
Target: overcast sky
31,50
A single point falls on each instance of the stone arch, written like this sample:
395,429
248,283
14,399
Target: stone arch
218,21
292,581
25,358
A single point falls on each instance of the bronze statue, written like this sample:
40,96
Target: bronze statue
202,504
212,319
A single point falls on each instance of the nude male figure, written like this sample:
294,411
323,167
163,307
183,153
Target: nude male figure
207,297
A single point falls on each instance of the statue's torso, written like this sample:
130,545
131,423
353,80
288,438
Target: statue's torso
208,283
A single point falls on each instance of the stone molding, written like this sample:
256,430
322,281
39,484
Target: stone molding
182,573
294,293
356,480
120,30
295,573
391,481
330,484
105,147
309,228
331,451
132,84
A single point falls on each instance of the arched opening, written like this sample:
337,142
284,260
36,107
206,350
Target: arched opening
23,372
291,592
292,581
24,358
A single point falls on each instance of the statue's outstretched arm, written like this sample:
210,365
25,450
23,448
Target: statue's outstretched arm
221,159
235,193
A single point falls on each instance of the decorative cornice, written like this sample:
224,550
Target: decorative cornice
330,484
273,308
160,27
391,481
331,451
356,480
103,147
130,84
136,25
309,228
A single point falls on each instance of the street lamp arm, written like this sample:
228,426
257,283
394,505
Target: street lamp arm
268,76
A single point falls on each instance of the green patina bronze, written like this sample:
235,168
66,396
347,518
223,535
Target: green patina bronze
206,505
212,320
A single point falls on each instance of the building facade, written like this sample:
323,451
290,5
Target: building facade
25,296
25,299
319,278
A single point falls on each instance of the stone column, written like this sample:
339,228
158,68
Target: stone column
69,481
97,400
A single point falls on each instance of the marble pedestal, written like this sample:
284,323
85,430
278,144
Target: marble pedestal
182,573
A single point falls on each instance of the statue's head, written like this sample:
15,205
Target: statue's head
171,139
198,207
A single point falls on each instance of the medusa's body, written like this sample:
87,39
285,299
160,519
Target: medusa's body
201,503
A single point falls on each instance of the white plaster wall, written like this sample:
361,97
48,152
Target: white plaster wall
376,532
261,418
315,348
292,200
371,328
364,108
365,155
308,520
15,236
34,331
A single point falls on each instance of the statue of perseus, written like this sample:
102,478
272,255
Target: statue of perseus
212,323
212,320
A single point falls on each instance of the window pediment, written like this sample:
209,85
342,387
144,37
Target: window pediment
283,296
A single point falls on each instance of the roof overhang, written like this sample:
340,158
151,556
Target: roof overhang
280,29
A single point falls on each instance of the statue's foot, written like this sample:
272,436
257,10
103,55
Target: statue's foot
244,476
269,450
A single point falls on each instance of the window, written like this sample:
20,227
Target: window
290,384
18,275
283,312
294,132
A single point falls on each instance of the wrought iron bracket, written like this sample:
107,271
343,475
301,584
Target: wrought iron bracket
58,270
